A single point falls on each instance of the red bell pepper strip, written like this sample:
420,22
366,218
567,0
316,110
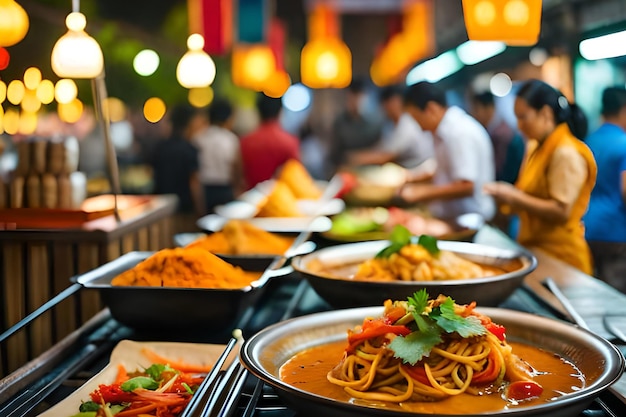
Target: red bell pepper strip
491,372
111,393
418,373
394,314
374,328
497,330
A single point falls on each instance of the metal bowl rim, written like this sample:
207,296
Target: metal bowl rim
299,263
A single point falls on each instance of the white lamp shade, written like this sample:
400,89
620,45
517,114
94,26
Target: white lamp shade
195,69
77,55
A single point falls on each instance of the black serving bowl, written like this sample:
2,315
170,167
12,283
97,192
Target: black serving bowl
345,292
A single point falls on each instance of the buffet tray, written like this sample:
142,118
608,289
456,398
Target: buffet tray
175,309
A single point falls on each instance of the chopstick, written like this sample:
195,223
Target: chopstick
210,379
225,394
556,291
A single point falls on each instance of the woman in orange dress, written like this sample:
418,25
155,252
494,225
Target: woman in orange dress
556,177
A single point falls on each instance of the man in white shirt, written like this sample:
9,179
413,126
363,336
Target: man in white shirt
406,145
463,152
219,157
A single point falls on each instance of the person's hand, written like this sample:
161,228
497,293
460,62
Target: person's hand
412,193
502,191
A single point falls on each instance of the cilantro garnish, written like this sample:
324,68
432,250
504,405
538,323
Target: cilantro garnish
417,305
156,369
451,322
413,347
430,326
401,236
429,243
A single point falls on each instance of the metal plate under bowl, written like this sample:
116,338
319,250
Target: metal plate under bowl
344,292
264,353
152,308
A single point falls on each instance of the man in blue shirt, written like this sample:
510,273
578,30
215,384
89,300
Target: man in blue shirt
605,221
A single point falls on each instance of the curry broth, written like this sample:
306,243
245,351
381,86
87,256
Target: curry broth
307,371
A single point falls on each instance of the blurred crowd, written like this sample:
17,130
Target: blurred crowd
541,177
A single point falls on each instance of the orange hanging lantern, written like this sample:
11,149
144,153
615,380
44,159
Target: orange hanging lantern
514,22
252,66
13,23
277,85
413,42
326,61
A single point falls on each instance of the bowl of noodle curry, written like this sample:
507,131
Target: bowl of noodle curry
422,356
367,273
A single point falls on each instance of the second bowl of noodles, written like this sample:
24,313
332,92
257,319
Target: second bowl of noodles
352,275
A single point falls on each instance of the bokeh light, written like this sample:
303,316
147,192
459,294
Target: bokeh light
538,56
32,78
30,102
200,97
65,90
11,121
15,92
45,91
154,109
5,58
115,109
500,84
516,13
70,112
146,62
3,91
1,120
485,13
28,123
297,98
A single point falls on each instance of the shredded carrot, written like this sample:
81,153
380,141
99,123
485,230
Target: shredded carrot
122,375
136,411
176,364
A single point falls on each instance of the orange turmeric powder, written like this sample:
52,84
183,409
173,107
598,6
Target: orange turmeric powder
185,268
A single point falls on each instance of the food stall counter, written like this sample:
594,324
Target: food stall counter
37,263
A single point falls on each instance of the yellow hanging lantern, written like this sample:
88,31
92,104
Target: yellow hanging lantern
326,61
13,23
514,22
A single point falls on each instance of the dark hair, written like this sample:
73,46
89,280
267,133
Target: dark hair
485,98
220,111
269,107
613,100
357,85
390,92
538,94
421,93
181,115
